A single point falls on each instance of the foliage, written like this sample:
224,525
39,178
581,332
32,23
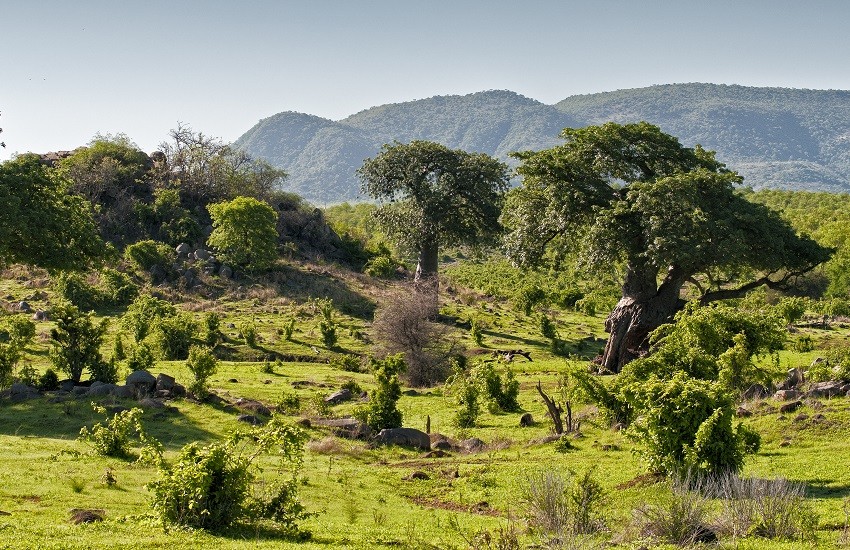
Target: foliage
502,392
141,358
115,438
769,508
143,255
166,219
210,487
172,335
468,391
547,328
45,225
104,371
142,314
202,364
382,267
633,196
346,362
74,288
434,196
289,329
681,520
327,324
476,331
560,507
792,308
118,288
9,357
289,403
248,331
17,331
686,426
244,233
382,410
77,339
212,328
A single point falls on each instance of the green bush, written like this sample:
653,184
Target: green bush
77,339
18,331
289,329
547,328
248,331
49,381
345,362
503,393
118,288
143,255
173,335
212,328
792,308
202,364
210,487
104,371
476,331
142,313
686,426
115,437
74,288
803,344
289,403
141,358
382,409
381,267
468,391
9,357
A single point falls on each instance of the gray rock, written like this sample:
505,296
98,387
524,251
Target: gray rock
408,437
183,249
157,273
790,407
141,381
101,390
66,385
24,307
123,392
249,405
178,390
341,396
787,395
164,382
442,445
201,254
794,379
472,445
20,389
831,388
40,315
80,391
743,412
225,272
150,403
756,391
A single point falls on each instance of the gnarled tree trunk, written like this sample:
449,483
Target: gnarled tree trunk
426,268
645,306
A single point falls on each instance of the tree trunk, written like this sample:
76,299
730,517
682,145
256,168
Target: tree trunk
644,307
426,268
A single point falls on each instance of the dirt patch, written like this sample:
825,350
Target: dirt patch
643,480
482,508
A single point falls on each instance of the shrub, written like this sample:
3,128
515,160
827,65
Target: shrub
467,397
248,331
115,437
9,357
502,393
118,351
210,487
558,508
547,328
141,358
212,328
345,362
289,329
172,336
28,375
146,254
405,325
118,288
327,325
682,519
245,232
289,403
770,508
49,381
105,371
803,344
382,410
686,426
381,267
18,330
475,331
202,364
76,341
142,313
74,288
528,297
792,308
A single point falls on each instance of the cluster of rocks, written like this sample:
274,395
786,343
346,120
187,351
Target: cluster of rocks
189,263
138,385
795,387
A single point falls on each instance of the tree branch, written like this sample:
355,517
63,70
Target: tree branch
741,291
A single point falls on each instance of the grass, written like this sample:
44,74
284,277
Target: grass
362,495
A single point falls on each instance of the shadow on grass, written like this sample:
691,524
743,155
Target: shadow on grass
821,488
41,418
303,285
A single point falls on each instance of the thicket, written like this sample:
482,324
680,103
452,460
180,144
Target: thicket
382,410
76,342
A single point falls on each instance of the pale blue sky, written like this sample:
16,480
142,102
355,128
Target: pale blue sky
70,69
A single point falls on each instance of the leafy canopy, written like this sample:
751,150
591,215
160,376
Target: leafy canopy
434,195
244,232
631,194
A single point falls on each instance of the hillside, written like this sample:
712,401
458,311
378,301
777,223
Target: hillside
776,137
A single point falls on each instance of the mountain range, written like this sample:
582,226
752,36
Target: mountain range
775,137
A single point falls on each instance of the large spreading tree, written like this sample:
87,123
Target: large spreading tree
433,196
631,197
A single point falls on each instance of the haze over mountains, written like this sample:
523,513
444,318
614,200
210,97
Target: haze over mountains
775,137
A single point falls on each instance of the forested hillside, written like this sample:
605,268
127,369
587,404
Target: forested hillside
775,137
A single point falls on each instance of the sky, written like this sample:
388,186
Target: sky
70,70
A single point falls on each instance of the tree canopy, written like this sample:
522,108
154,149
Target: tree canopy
632,198
244,232
41,223
434,196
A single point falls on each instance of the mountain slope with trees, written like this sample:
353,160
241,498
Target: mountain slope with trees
775,137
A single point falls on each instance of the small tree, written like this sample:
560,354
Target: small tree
382,411
244,232
76,341
142,314
202,364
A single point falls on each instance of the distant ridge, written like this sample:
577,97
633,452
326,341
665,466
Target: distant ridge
776,137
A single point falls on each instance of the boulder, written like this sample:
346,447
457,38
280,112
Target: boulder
251,406
442,445
341,396
157,273
123,392
831,388
66,385
250,419
743,412
756,391
526,420
164,382
225,272
102,390
80,390
201,254
790,407
787,395
24,307
350,428
472,445
22,392
408,437
794,379
178,390
40,315
149,403
183,249
141,381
